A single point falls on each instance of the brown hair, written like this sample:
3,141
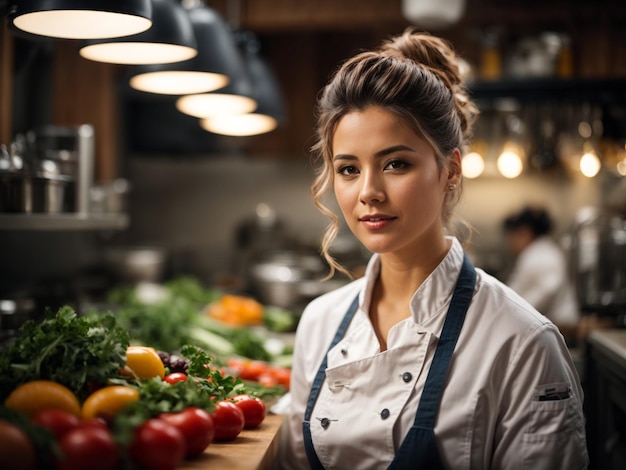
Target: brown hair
415,76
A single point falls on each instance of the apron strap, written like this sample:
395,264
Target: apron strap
435,381
419,448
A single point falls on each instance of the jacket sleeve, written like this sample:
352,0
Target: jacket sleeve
542,425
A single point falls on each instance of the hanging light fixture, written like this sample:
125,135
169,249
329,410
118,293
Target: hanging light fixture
170,39
80,19
217,64
265,91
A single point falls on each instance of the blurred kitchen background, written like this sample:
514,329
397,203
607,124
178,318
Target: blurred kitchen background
123,176
105,182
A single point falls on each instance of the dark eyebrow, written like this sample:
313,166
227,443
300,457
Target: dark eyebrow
380,153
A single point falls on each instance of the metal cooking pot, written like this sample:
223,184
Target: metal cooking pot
289,279
136,264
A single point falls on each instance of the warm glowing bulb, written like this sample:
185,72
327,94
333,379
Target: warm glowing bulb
178,82
137,53
621,167
240,124
589,164
215,104
473,165
81,24
510,164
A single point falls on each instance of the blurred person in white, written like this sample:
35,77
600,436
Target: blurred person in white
540,272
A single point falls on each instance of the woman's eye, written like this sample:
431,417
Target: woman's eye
347,170
397,165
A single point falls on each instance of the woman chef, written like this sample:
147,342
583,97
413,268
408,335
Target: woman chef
425,362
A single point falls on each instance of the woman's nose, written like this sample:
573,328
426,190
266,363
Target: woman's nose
372,189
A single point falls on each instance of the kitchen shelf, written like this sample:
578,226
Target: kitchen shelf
66,221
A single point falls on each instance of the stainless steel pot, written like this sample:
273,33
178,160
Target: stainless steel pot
25,193
136,264
289,279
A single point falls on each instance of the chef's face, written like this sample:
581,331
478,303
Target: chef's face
519,238
387,183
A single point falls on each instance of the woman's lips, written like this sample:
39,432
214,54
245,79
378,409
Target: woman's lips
376,221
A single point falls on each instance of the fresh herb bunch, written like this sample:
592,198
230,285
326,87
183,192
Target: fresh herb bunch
78,352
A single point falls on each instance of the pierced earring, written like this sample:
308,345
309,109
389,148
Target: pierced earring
451,187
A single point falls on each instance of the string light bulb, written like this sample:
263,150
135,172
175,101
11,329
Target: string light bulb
473,165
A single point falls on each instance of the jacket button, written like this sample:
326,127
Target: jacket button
384,414
407,376
324,422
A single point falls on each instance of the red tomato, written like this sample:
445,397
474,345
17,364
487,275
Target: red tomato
253,410
16,450
57,421
251,370
157,445
228,420
282,376
267,380
98,423
196,426
88,448
175,377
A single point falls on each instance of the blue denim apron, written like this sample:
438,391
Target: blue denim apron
419,448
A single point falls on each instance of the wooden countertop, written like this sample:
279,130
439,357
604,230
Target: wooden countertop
253,449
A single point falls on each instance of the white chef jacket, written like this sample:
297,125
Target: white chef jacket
540,276
492,415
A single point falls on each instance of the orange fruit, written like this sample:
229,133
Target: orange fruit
108,401
143,363
34,396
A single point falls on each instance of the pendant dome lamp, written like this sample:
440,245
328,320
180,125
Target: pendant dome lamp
79,19
170,39
270,111
218,64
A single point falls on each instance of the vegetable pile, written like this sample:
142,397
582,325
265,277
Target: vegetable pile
184,312
78,393
76,351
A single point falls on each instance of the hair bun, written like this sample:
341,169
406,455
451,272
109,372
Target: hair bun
438,56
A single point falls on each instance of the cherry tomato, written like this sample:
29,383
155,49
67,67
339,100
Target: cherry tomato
16,450
157,445
252,370
282,376
267,380
253,410
98,423
196,426
56,421
228,419
175,377
88,448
